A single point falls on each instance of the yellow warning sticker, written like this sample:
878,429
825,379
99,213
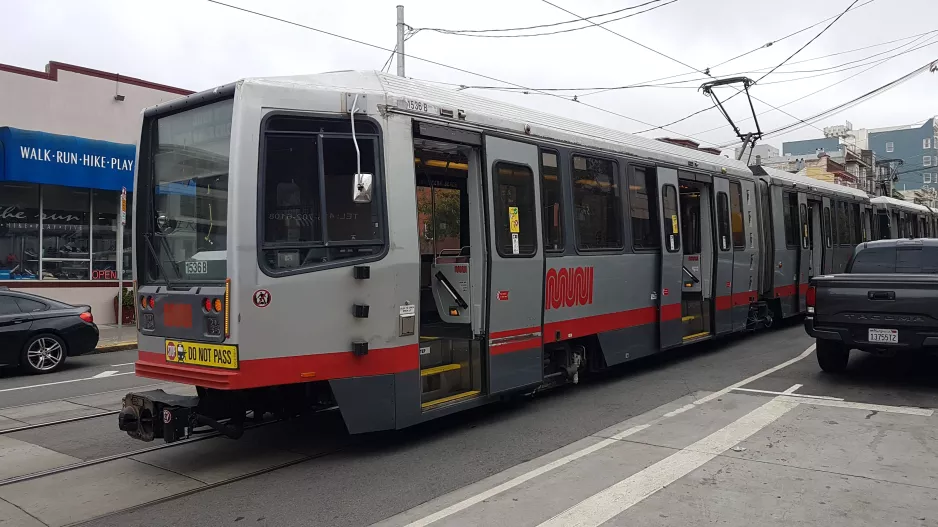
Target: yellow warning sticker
514,223
674,223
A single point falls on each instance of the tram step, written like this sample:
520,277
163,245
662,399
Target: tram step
688,318
697,336
439,369
451,398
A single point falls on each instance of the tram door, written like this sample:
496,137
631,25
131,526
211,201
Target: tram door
827,232
723,314
815,239
696,228
516,274
804,251
669,293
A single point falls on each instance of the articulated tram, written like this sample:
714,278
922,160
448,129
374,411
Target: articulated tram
405,251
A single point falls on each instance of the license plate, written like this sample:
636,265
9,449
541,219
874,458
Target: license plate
889,336
202,354
197,267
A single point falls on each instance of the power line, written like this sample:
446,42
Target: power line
541,26
808,43
853,102
435,63
675,84
748,52
620,35
776,41
764,76
877,64
556,32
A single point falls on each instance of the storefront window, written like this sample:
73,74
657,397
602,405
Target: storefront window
78,233
19,231
65,233
105,209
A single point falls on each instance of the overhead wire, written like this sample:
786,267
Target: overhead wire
875,65
799,50
548,33
808,43
744,54
434,62
542,26
653,83
850,103
776,41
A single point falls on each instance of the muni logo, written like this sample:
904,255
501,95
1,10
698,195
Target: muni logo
568,287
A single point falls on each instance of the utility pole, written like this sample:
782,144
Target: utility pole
400,41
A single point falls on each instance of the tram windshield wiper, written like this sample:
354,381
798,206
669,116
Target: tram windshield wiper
156,258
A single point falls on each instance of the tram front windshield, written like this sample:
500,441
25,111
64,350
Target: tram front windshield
188,206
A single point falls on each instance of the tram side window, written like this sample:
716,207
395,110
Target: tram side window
736,204
791,219
671,222
843,224
596,204
855,224
515,222
309,216
643,208
827,227
552,195
804,226
723,221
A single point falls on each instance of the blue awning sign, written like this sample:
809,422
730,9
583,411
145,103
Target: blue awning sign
39,157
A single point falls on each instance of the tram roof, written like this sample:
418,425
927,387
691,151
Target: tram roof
811,183
900,204
504,116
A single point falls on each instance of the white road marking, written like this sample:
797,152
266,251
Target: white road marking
793,389
104,374
84,395
907,410
740,384
806,396
124,364
609,503
514,482
62,382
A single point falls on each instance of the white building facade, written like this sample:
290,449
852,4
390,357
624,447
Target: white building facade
67,137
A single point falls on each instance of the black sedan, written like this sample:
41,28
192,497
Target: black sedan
38,333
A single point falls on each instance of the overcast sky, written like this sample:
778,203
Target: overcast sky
195,44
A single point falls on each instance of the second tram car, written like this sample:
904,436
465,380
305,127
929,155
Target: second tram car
406,251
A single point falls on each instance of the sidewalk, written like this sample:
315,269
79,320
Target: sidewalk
109,340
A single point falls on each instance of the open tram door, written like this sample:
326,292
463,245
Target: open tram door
670,331
516,265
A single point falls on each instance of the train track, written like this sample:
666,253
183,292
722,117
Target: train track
59,422
209,486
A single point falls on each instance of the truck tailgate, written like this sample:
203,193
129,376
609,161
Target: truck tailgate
906,302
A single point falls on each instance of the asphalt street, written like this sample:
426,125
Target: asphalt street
84,375
379,475
659,428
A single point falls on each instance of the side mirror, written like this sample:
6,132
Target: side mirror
361,193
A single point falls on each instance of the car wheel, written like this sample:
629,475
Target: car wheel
832,356
43,353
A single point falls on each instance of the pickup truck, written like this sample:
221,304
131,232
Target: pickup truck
885,303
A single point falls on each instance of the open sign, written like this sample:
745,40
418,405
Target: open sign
103,274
